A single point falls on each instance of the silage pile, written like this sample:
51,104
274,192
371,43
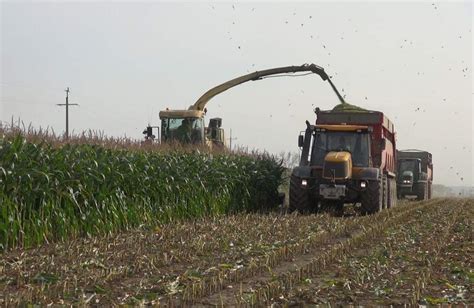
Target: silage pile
345,107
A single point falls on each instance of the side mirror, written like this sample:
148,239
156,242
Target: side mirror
300,141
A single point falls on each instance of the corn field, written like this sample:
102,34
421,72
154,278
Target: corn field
51,191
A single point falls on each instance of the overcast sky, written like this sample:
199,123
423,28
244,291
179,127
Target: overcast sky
126,61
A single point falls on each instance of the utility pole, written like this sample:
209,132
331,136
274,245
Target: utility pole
230,140
67,111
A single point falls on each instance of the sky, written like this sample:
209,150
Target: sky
126,61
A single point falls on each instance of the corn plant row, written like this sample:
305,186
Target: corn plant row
51,193
186,250
431,258
453,265
260,264
368,234
384,273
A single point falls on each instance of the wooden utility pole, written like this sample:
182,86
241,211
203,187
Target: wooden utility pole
67,111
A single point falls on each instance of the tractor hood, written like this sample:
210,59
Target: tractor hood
407,174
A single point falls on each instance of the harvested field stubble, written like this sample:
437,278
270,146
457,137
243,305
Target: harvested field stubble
254,258
396,266
147,265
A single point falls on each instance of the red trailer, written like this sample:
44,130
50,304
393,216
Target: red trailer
347,157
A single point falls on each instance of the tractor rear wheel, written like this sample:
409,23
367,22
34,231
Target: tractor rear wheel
393,192
299,199
372,198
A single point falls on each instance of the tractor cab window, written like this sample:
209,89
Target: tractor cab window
354,142
409,165
185,130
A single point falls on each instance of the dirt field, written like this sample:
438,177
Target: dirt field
418,252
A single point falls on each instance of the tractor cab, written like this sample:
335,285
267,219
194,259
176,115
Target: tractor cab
350,139
336,149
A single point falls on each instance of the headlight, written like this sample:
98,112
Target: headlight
304,183
363,184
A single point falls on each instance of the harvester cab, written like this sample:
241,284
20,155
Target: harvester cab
187,126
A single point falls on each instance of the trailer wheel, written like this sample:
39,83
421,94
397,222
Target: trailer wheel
299,199
393,192
372,198
390,193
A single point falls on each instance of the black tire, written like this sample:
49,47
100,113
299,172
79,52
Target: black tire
430,191
393,194
389,193
385,192
299,199
372,198
421,192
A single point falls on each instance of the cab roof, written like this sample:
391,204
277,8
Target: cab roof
181,114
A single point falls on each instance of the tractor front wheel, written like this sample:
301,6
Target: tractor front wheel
372,199
299,197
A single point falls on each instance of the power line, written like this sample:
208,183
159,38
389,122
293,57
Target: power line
67,111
